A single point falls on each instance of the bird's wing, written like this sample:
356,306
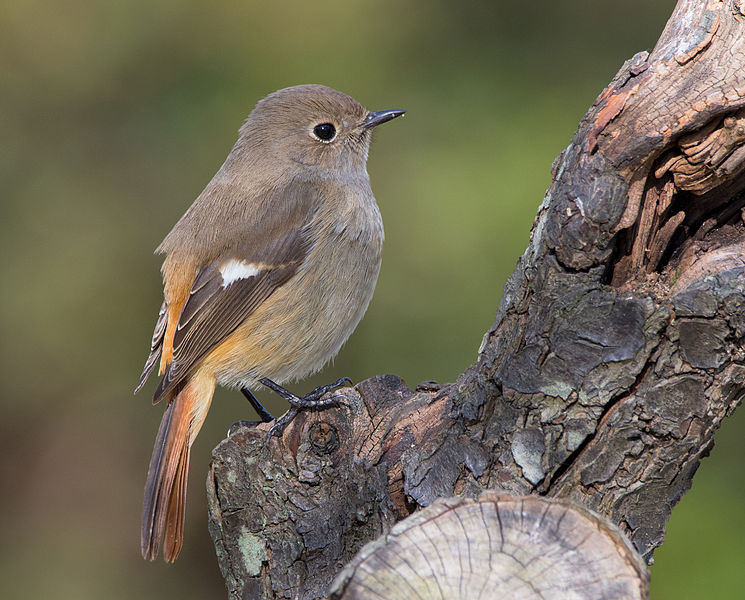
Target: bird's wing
223,295
266,254
155,346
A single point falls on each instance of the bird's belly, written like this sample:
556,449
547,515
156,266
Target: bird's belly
306,321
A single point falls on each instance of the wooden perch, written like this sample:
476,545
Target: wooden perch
616,351
498,546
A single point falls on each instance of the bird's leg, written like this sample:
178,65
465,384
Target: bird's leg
312,400
263,413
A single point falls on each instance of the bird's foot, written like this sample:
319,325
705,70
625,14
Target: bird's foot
243,423
314,399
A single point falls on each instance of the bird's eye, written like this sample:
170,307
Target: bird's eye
324,132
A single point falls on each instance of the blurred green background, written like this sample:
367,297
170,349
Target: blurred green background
114,115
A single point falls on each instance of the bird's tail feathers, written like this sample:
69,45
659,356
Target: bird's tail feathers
165,490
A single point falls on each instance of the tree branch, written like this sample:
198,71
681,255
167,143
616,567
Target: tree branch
615,354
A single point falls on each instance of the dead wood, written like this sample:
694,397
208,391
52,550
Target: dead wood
499,546
615,354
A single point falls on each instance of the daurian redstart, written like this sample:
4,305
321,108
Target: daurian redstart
265,276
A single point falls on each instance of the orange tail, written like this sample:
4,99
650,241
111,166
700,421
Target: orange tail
165,490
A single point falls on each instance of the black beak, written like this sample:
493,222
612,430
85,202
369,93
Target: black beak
377,117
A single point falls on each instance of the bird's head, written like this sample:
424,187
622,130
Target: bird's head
320,130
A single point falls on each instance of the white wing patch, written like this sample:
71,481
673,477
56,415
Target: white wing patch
234,270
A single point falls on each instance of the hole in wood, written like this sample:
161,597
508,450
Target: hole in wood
694,195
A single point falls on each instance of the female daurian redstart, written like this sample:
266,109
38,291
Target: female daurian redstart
265,277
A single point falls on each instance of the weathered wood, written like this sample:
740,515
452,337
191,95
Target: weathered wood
499,546
615,354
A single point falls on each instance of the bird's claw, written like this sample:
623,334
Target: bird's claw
314,399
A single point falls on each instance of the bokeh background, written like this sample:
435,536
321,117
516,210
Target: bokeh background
113,117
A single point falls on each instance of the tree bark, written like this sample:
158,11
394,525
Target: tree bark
615,354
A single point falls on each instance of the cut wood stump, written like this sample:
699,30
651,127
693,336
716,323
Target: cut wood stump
499,546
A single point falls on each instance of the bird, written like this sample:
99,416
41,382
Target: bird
265,277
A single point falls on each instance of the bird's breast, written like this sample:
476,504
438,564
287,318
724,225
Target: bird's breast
307,320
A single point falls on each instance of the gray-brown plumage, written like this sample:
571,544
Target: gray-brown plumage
265,276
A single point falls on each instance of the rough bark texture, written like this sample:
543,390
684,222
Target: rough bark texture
615,354
499,546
